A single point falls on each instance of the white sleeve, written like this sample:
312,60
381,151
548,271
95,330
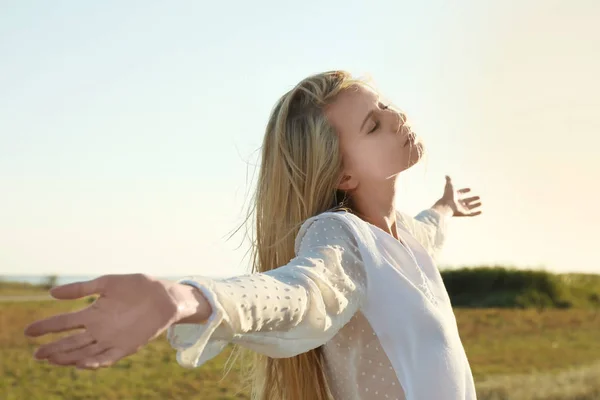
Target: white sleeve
429,227
285,311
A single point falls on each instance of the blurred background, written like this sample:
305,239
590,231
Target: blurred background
129,138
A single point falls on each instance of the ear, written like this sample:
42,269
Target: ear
347,183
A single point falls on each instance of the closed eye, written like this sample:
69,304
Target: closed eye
383,107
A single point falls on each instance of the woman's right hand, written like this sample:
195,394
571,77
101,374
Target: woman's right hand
130,311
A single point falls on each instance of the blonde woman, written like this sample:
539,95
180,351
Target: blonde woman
344,300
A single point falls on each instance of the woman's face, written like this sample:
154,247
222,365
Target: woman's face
376,142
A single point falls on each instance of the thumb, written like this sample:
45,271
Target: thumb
449,187
77,290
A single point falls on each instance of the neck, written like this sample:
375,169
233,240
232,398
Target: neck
377,208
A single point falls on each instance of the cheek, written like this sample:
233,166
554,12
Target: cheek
382,162
375,160
379,162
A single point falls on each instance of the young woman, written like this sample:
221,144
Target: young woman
344,300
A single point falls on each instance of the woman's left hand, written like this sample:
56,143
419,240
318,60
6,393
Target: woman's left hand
457,203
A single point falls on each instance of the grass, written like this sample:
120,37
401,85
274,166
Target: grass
21,289
505,341
576,383
152,373
524,353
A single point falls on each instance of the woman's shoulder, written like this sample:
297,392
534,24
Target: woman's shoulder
326,224
404,219
325,219
330,217
339,224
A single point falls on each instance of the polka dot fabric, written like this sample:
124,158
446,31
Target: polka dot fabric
285,311
317,299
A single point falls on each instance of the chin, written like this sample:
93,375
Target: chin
411,155
416,150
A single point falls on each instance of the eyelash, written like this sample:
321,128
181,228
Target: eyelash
384,107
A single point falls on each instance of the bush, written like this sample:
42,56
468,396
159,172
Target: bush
50,282
485,287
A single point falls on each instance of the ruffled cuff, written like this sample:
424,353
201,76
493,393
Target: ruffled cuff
430,215
198,343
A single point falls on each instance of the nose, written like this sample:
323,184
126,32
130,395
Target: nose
399,118
402,127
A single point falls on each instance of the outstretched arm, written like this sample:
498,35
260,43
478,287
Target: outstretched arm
280,313
429,226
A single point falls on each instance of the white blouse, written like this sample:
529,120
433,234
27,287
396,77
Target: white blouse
377,305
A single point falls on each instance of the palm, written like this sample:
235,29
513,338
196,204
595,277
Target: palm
461,206
131,311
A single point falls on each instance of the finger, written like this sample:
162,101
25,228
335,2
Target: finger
77,290
73,357
105,359
469,214
464,190
471,199
57,323
69,343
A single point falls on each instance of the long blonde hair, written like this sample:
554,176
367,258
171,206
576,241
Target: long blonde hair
299,173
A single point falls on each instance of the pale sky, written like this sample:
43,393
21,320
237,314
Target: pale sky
128,130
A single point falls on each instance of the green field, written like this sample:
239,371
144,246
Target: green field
524,344
547,348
